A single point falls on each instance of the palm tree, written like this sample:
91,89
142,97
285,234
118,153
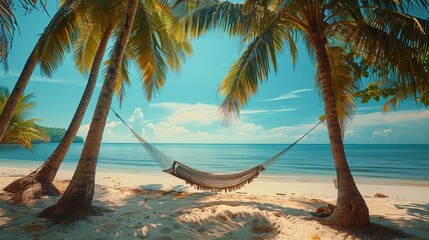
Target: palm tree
153,49
21,129
373,29
89,50
57,38
39,182
8,25
141,48
76,203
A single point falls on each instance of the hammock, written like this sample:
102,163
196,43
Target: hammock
206,180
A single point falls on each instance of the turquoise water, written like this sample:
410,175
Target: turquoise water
405,162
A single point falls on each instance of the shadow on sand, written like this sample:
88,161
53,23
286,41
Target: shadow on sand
151,212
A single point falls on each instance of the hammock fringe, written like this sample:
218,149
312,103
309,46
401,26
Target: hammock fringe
227,189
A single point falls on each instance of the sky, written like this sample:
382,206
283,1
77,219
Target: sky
186,109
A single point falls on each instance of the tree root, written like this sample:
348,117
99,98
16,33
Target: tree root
373,231
349,212
67,214
28,188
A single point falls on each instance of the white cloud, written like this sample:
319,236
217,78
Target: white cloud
83,130
138,115
112,124
166,132
386,133
199,123
369,108
392,127
351,134
193,123
362,121
112,132
378,118
250,112
184,113
289,95
36,78
285,109
238,132
201,114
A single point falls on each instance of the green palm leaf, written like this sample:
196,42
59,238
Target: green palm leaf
86,46
7,29
228,18
402,60
153,47
8,24
21,129
58,37
253,66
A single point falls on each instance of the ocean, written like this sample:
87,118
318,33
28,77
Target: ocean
388,162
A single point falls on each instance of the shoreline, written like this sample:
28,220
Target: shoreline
271,177
308,185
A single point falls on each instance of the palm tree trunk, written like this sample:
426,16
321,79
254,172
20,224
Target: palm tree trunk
8,110
75,204
39,182
49,170
351,209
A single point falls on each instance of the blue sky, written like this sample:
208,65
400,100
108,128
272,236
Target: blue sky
185,110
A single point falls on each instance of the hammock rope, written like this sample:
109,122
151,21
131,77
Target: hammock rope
206,180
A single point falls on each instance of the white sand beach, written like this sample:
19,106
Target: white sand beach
163,207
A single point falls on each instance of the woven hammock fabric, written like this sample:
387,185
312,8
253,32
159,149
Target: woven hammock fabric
214,182
206,180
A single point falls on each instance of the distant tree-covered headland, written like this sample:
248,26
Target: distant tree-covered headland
55,135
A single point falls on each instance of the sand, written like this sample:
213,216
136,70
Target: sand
162,207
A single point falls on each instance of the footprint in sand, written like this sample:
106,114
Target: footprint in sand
258,238
202,230
165,230
223,216
163,238
261,229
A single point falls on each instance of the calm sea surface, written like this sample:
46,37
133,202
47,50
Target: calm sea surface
401,162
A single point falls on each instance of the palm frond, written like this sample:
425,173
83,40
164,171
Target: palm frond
86,46
393,102
123,77
405,64
7,28
8,24
153,47
58,37
228,18
21,130
272,5
407,29
24,133
252,67
96,17
404,6
182,7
